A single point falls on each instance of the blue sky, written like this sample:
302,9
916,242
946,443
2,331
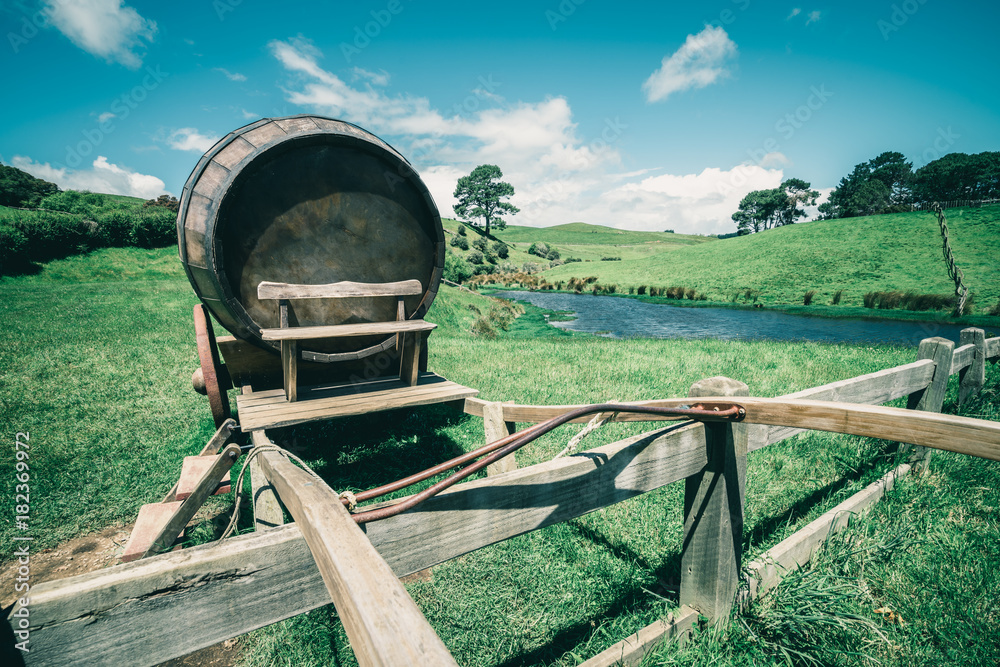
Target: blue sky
633,115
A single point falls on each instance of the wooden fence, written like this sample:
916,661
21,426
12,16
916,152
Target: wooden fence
169,605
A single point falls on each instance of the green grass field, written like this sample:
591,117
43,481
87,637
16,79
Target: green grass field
95,363
857,255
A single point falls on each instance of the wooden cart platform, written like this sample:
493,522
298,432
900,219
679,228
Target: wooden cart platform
269,408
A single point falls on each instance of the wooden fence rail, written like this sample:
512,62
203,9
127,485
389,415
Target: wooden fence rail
210,593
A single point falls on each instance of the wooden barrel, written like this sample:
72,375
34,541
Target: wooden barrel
310,200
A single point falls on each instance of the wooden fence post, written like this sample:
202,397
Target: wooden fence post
713,512
497,428
930,399
972,378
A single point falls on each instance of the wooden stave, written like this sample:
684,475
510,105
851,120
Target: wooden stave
282,135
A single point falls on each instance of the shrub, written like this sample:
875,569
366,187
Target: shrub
596,290
589,279
668,231
869,300
641,290
155,227
690,293
461,229
807,298
459,242
482,328
114,229
475,257
654,291
552,254
556,262
19,188
836,297
995,310
611,259
531,267
631,289
52,235
481,244
539,249
573,259
164,201
12,244
501,250
456,269
611,289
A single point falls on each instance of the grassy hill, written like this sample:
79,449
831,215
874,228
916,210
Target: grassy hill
857,255
589,243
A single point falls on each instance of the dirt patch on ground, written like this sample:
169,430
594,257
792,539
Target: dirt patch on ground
88,553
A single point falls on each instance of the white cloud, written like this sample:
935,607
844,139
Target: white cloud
249,115
558,176
232,76
189,139
376,78
699,62
106,116
775,159
795,12
813,17
104,28
103,177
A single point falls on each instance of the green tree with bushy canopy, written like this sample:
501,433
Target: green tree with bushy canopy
481,197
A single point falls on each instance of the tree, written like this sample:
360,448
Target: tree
959,176
758,210
876,186
796,192
481,195
21,189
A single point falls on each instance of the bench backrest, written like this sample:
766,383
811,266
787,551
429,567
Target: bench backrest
343,289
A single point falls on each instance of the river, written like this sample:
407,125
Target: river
618,317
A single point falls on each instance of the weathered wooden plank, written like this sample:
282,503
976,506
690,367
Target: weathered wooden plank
874,389
765,572
878,387
993,348
269,416
963,357
214,444
189,507
343,289
972,378
227,589
267,511
346,330
384,625
495,428
941,351
713,512
409,362
630,651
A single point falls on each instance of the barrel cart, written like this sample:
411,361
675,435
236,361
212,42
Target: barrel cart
316,245
319,249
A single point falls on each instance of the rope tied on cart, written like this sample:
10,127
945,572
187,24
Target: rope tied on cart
260,449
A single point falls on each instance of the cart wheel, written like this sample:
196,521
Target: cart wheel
214,375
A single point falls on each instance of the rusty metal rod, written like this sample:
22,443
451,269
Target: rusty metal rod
438,469
700,412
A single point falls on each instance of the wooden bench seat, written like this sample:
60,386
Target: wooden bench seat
410,334
343,330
